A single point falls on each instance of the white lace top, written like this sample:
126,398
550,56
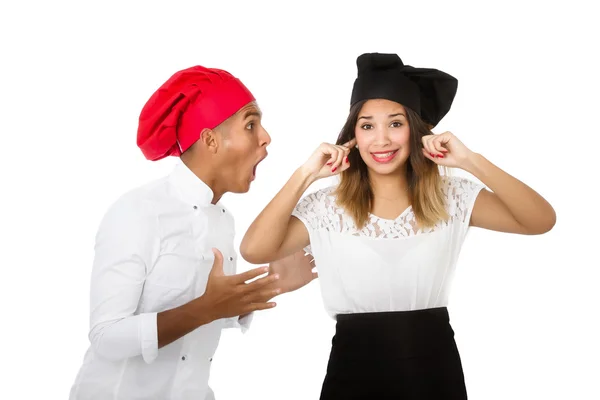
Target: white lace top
389,265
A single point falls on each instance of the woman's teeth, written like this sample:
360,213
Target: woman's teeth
384,157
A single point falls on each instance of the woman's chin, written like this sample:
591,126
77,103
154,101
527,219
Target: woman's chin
385,169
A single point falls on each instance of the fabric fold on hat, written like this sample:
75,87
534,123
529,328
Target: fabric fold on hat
428,92
191,100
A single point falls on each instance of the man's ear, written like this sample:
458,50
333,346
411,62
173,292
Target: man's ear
208,139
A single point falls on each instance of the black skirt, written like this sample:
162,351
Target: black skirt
394,355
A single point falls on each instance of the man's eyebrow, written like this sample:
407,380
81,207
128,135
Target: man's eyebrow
252,113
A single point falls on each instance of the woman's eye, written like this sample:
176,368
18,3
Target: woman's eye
396,124
250,126
367,126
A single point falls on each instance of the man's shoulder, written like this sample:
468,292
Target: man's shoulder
140,201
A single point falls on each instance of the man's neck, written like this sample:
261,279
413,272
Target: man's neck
203,173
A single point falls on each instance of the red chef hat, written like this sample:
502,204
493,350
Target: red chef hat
191,100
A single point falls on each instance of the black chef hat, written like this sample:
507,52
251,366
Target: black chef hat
428,92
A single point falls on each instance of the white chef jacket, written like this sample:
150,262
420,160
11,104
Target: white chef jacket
153,253
389,264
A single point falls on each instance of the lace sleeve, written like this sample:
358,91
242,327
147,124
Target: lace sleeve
310,210
306,211
461,194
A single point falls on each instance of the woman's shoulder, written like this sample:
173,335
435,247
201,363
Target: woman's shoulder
458,185
325,194
460,193
315,208
317,203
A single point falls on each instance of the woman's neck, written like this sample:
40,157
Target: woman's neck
389,187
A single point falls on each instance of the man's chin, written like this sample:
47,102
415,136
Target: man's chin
241,188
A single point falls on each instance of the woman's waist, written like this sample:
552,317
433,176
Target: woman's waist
394,333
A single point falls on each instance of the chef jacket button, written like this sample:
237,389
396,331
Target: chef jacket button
230,258
210,360
223,210
195,207
183,358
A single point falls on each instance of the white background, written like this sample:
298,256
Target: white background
75,76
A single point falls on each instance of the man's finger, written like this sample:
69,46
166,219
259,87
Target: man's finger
217,267
259,283
248,275
262,296
258,306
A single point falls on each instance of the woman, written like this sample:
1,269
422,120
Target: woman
387,237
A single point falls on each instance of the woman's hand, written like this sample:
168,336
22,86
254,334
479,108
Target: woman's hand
445,149
328,160
294,271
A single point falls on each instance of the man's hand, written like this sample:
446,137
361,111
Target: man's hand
295,271
225,297
230,296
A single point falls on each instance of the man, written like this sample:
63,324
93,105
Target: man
163,283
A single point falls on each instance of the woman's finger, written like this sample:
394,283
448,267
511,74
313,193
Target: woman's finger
350,144
340,156
437,146
428,155
331,151
427,145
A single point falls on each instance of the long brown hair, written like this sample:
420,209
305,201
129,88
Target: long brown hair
355,195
